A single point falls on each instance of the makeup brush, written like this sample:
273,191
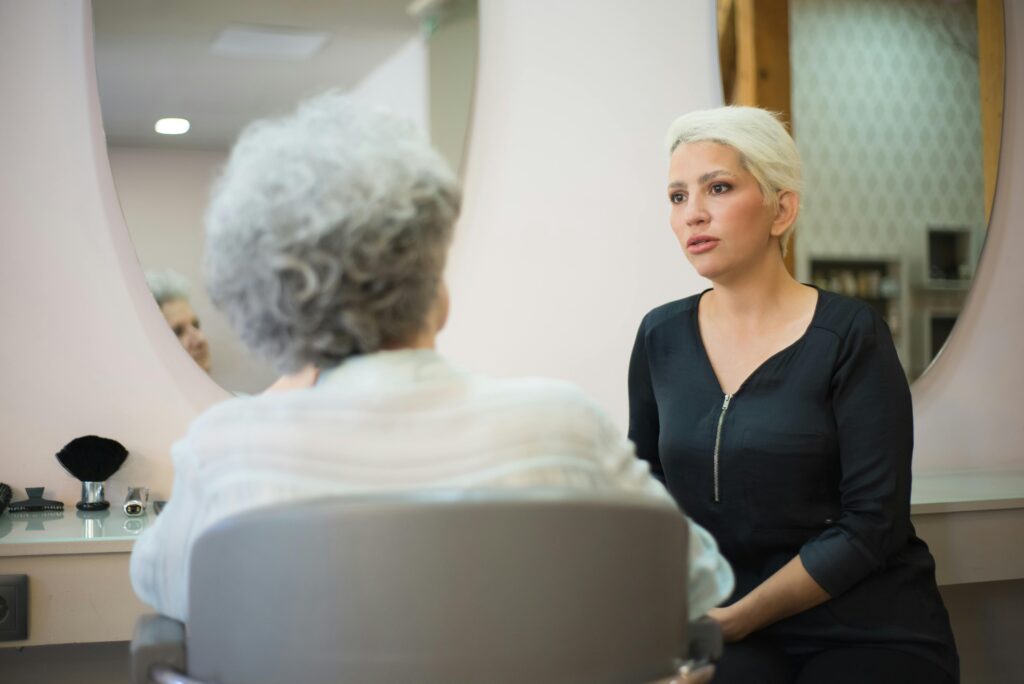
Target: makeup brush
92,460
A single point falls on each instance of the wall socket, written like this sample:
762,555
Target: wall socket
13,607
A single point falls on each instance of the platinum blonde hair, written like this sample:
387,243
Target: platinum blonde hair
167,285
327,233
765,147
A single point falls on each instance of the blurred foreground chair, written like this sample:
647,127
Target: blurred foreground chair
461,587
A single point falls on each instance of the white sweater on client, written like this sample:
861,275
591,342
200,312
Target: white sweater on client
389,422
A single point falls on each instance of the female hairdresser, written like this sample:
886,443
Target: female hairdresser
779,417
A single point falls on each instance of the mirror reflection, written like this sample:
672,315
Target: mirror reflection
219,66
896,108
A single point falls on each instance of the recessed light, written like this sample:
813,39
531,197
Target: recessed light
172,126
268,42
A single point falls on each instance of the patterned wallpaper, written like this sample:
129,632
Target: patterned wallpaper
886,115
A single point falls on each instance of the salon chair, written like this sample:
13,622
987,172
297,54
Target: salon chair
436,588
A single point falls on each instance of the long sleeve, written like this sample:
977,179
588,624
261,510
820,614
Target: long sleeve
160,556
874,421
643,409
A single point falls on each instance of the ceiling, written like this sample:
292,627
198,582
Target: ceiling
153,60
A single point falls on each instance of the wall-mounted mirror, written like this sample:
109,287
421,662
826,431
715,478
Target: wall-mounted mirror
896,107
222,64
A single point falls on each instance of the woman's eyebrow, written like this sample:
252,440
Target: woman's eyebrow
700,181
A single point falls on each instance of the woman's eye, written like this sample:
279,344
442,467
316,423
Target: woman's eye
719,188
677,197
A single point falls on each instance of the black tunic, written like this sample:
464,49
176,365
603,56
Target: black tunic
811,455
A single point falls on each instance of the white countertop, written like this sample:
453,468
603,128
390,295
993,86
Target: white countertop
111,531
69,532
966,491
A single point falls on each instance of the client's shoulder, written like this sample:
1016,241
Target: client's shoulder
539,401
531,390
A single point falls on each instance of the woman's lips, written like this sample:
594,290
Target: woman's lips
700,244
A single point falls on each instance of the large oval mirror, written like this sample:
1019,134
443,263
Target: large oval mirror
896,108
221,64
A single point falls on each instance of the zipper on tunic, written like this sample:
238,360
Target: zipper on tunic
718,440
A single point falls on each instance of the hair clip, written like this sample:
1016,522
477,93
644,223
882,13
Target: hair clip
35,502
5,497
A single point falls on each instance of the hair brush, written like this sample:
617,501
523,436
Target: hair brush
92,460
35,502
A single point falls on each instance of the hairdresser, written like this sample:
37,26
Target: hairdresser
780,419
327,235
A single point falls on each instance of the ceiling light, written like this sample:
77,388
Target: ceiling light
268,42
172,126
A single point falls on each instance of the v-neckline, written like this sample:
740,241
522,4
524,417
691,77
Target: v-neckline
707,359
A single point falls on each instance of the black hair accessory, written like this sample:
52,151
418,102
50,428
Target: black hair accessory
92,460
35,502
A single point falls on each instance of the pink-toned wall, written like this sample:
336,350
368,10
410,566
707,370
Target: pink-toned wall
562,247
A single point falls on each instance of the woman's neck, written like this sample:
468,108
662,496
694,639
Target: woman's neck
424,340
759,293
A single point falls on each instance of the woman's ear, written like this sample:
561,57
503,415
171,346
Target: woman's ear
789,207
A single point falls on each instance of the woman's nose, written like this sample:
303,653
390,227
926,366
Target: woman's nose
695,213
194,337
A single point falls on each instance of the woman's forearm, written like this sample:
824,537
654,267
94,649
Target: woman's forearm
789,591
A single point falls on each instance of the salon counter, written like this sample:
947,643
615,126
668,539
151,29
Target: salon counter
79,589
973,523
77,567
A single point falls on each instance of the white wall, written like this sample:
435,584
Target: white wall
163,194
400,83
564,242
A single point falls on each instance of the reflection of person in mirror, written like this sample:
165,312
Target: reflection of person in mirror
780,418
327,237
170,289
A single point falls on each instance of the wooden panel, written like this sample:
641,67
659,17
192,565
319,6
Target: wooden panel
762,70
991,78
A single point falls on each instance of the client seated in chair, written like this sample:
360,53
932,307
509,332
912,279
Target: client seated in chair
327,235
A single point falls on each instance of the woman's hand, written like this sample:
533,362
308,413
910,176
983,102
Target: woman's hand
789,591
304,378
730,619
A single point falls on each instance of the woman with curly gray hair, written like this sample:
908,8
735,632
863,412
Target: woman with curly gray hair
327,237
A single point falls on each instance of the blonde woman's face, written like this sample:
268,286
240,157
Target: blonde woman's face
718,212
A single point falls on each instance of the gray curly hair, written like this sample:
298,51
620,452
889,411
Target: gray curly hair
327,233
167,285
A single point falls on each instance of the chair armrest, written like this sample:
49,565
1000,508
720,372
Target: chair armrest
158,640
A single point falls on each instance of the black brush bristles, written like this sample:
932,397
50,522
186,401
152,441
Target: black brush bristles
92,458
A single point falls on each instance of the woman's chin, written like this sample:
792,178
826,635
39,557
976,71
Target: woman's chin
707,268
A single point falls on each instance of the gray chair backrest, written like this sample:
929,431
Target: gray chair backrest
443,587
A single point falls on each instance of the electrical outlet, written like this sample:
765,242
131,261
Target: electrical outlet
13,607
